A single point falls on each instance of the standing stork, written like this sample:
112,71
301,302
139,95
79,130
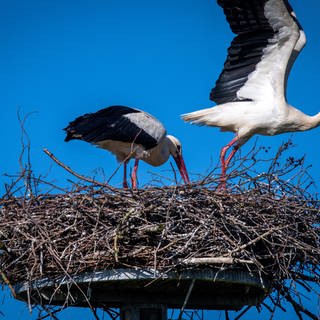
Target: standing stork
251,90
128,133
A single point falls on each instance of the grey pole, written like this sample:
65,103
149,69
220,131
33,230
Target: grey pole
143,312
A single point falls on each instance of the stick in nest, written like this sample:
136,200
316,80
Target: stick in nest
46,151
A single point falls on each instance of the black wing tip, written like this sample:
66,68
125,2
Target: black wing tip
69,135
72,133
74,129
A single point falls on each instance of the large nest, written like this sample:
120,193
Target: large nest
270,224
162,228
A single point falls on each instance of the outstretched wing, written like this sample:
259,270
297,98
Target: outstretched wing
117,123
268,39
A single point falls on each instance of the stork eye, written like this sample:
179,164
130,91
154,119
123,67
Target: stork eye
179,148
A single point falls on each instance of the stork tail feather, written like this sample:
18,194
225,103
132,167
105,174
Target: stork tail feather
200,117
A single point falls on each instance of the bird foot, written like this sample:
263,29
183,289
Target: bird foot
222,187
125,185
134,184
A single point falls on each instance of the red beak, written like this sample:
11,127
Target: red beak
182,168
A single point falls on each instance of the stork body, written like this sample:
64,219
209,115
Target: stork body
251,90
128,133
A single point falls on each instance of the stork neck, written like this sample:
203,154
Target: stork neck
159,154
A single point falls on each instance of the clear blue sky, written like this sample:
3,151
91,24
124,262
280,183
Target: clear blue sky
61,59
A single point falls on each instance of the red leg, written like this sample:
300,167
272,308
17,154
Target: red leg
232,153
125,183
224,162
134,174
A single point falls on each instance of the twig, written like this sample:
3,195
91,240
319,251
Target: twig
257,239
297,306
243,312
51,313
186,298
7,282
215,260
77,174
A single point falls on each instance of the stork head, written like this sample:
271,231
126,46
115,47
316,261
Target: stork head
175,149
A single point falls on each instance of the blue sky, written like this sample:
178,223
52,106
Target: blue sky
60,59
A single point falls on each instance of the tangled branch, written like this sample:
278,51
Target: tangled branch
267,222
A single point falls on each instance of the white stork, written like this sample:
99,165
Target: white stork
251,90
128,133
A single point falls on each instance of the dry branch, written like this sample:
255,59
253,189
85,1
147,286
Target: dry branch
79,176
215,261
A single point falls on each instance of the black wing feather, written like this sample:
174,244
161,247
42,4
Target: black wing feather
109,124
247,21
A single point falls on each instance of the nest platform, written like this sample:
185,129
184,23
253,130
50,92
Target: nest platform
209,289
110,248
